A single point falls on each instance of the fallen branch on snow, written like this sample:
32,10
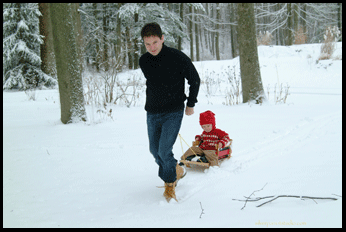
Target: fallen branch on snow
278,196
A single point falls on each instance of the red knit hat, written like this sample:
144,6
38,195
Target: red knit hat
207,117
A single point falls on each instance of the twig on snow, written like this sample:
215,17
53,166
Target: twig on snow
247,198
200,216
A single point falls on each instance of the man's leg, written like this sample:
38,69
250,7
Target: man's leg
154,133
169,133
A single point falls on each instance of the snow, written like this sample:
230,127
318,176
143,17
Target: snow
22,25
102,174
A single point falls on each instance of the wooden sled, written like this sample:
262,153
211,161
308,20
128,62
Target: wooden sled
223,154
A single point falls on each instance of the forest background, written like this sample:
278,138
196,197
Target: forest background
109,34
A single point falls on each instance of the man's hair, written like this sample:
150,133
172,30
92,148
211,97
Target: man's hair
151,29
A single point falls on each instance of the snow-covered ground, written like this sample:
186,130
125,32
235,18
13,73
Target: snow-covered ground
102,174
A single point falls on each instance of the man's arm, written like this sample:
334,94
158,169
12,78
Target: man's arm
194,82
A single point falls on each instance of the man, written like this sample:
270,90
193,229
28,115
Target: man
165,70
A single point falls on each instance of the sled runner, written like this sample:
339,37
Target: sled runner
202,161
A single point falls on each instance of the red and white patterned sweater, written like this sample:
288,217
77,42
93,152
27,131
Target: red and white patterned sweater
209,140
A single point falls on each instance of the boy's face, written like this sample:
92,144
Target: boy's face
207,127
153,44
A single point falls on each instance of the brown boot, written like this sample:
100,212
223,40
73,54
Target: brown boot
170,191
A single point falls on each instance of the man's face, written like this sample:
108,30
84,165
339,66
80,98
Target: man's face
153,44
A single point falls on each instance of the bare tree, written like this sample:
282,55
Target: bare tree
105,24
289,28
197,39
181,14
249,65
217,37
190,34
233,29
65,22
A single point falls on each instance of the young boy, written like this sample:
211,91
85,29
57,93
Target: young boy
209,139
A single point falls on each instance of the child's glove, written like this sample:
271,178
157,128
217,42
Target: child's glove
218,146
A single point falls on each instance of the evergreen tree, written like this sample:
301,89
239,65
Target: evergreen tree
21,48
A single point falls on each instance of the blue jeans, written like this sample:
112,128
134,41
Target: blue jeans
163,129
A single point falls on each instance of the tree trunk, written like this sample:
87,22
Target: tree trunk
129,48
118,47
136,47
289,29
47,48
191,35
105,24
97,61
212,33
197,39
206,32
340,18
233,30
249,65
79,34
68,63
182,20
217,37
295,20
303,21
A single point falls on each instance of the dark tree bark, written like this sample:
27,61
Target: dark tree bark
65,22
191,36
47,48
217,37
249,65
181,12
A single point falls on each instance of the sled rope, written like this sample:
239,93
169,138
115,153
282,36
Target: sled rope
181,138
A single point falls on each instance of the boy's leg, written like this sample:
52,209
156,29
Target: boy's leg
192,151
211,157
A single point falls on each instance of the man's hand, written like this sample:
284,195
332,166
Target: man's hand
189,111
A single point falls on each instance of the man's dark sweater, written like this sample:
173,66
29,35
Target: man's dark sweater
165,74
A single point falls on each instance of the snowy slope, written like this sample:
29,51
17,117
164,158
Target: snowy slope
102,174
